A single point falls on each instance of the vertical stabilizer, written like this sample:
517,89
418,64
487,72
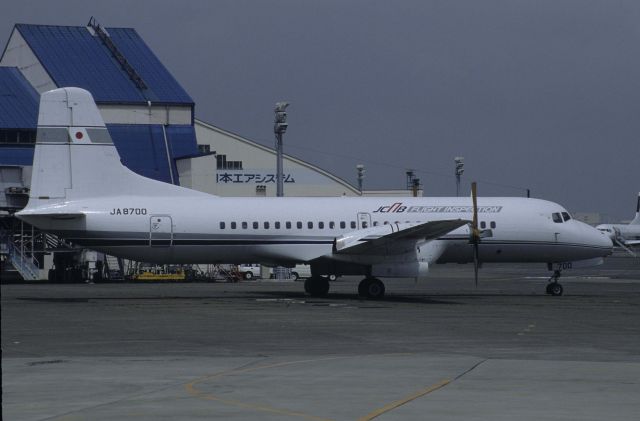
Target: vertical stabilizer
75,157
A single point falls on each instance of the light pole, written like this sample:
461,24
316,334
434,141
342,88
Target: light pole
415,186
410,177
459,161
279,127
361,171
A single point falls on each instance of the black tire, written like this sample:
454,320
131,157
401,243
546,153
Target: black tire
248,275
295,276
556,289
316,287
332,277
362,288
371,288
375,289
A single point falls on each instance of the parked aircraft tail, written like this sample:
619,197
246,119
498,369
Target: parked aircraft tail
636,220
75,157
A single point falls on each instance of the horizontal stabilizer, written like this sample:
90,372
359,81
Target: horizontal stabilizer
44,219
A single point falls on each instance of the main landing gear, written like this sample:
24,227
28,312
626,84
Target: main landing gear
316,286
371,288
554,288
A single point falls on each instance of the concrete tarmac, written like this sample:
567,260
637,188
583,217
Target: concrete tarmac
440,349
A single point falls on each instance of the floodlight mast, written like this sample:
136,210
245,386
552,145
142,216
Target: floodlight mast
279,127
361,171
459,161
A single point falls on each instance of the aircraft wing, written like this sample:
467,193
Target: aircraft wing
393,238
632,242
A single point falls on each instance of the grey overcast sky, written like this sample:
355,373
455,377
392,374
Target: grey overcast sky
538,94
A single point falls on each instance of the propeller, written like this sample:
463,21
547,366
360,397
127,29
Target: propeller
475,232
620,241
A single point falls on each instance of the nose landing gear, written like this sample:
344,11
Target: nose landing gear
554,288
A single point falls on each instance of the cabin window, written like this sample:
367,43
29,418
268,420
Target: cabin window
493,224
288,225
566,216
556,217
386,222
277,225
364,225
343,225
353,224
256,225
375,223
233,225
299,225
245,225
321,225
483,225
310,225
221,225
332,225
266,225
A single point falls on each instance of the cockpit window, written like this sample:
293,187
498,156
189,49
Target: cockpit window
556,217
566,216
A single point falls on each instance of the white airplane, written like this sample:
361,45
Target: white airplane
624,235
80,191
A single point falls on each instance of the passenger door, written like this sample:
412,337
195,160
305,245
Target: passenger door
160,231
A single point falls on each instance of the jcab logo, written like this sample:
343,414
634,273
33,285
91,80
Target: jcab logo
395,208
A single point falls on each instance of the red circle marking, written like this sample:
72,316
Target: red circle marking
78,135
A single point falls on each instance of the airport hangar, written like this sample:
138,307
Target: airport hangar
151,119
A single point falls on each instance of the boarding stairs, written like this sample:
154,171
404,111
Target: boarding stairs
228,272
114,267
20,248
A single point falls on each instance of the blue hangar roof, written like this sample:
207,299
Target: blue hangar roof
19,104
73,56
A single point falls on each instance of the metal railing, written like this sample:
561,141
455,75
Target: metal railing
27,265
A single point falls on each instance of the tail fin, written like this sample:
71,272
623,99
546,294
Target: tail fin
636,220
75,157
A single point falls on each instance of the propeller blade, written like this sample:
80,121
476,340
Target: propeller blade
475,262
475,235
474,198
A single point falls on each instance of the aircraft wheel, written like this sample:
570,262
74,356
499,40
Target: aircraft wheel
555,289
332,277
371,288
294,276
316,287
362,287
248,275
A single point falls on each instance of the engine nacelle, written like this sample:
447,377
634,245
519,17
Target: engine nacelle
410,265
404,270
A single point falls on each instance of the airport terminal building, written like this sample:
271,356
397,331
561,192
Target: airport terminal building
151,119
